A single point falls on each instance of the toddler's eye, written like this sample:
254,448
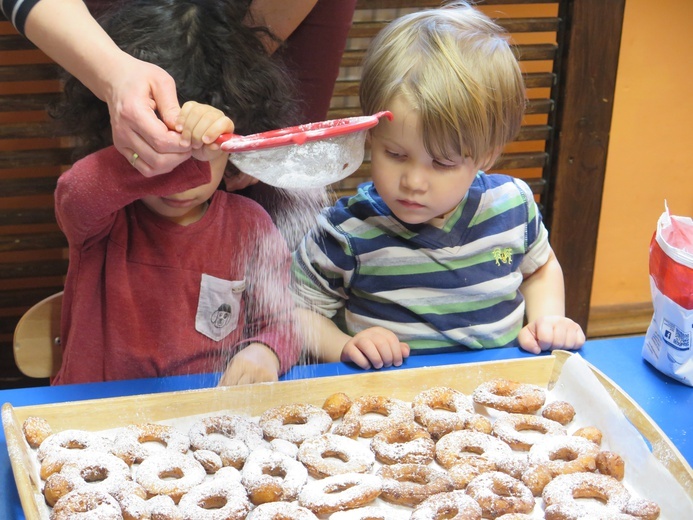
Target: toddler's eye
394,155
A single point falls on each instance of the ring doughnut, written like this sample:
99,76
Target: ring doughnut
559,411
336,405
216,499
66,445
453,505
610,463
561,493
465,446
129,441
86,504
591,434
171,474
340,492
441,410
411,484
271,476
295,422
370,414
209,460
281,511
371,513
521,431
160,507
500,494
564,454
407,443
510,396
331,454
36,430
235,437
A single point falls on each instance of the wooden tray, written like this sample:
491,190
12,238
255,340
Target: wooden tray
103,414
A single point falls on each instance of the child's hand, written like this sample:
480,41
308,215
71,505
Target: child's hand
201,125
376,347
256,363
551,333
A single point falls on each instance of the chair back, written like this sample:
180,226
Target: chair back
37,351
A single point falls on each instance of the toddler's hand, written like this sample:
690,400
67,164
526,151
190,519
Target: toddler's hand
551,333
376,347
201,125
256,363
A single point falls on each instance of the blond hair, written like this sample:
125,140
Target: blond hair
453,65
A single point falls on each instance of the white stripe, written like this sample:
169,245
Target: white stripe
14,12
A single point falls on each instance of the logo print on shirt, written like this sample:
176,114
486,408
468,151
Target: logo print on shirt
221,316
503,255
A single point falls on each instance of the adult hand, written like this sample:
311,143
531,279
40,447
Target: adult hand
377,347
256,363
551,333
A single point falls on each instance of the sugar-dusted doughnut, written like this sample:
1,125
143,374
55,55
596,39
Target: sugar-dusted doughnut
591,433
470,447
510,396
331,454
521,431
340,492
561,494
86,503
229,436
610,463
159,507
370,414
281,511
453,505
295,422
270,476
129,443
463,473
169,473
500,494
371,513
216,499
337,404
60,447
564,454
406,443
36,430
209,460
442,409
536,477
411,484
559,411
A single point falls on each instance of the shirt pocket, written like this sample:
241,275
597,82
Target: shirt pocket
218,307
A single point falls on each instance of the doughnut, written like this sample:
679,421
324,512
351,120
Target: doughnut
371,513
510,396
610,463
62,446
411,484
591,434
453,505
559,411
285,447
229,436
101,471
515,516
340,492
478,423
407,443
500,494
465,446
564,454
36,430
561,494
215,499
331,454
295,422
270,476
159,507
370,414
86,504
281,511
209,460
129,441
336,405
462,474
170,473
536,478
521,431
441,410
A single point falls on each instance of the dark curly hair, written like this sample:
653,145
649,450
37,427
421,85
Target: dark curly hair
211,54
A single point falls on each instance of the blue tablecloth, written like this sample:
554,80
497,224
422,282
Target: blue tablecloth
668,402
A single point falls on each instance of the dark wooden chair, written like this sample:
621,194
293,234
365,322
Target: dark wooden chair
568,50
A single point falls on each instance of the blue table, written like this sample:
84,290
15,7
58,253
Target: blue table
668,402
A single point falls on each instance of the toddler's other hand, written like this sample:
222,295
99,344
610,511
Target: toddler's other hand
256,363
551,333
377,347
201,125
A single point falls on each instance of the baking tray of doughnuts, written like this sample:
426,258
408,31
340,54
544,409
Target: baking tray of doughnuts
562,373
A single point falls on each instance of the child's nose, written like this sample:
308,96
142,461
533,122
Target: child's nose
414,179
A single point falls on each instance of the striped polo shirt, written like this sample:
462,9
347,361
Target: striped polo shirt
437,288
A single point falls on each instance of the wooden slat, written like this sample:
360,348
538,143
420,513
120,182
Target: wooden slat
27,102
25,298
15,42
33,158
32,241
33,269
34,72
28,186
24,216
32,129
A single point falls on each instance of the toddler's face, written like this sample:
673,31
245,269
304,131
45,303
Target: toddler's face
414,185
187,207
